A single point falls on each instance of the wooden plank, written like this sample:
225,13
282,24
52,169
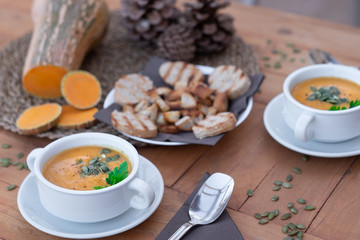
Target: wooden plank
338,218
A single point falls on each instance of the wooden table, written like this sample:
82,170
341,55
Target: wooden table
248,153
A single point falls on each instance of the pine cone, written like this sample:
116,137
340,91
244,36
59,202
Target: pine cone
177,43
145,20
212,31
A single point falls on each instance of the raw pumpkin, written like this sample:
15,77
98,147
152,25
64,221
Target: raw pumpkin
81,89
39,118
64,31
72,118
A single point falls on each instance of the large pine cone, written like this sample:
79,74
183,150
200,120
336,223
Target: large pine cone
177,43
145,20
212,31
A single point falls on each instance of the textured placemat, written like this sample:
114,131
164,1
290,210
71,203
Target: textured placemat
115,56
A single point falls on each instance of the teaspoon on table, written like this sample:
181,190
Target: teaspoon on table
208,203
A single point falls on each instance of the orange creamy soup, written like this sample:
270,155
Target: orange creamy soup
347,90
77,169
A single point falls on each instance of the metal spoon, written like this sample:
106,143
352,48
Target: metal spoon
208,203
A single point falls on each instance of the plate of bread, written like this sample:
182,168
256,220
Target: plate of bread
189,101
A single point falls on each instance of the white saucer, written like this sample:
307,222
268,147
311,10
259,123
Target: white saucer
277,128
33,212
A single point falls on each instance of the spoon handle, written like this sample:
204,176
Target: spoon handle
181,231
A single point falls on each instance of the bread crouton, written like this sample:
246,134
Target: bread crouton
214,125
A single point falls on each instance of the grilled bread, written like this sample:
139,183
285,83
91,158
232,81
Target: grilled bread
230,79
131,89
214,125
133,124
180,73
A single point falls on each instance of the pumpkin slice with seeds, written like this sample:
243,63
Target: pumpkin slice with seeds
81,89
73,118
39,118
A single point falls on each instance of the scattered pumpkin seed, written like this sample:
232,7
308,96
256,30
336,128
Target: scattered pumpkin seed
15,163
276,188
5,162
289,178
297,170
301,201
265,214
26,166
300,226
268,41
300,234
250,192
267,65
276,211
287,185
263,221
288,238
275,198
278,183
257,215
302,60
298,238
294,210
85,169
310,207
116,157
290,45
292,226
292,60
5,146
277,65
266,58
79,161
108,159
293,232
296,50
20,166
285,228
285,216
305,158
105,151
19,155
94,160
290,205
271,216
11,187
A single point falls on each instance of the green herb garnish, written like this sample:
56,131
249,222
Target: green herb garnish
351,105
116,176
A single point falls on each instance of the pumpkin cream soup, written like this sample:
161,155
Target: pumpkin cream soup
325,92
83,168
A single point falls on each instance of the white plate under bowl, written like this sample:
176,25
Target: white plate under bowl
278,129
35,214
110,99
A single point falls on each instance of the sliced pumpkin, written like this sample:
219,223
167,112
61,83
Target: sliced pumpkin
39,118
81,89
73,118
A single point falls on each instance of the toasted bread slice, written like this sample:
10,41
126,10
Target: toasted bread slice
185,123
132,88
175,72
230,79
214,125
133,124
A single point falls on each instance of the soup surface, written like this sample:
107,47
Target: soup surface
83,168
347,90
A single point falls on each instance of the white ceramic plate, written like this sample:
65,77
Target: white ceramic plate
277,128
33,212
110,99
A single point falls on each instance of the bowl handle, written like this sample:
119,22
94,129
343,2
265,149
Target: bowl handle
302,130
30,160
145,195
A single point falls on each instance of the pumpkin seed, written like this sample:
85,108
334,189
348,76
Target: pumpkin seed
297,170
11,187
287,185
305,158
116,157
290,205
277,65
300,234
19,155
294,210
275,198
104,169
257,215
250,192
271,216
288,238
296,50
301,201
285,228
20,166
285,216
298,238
15,163
108,159
267,65
5,146
263,221
300,226
79,161
276,188
265,214
26,166
94,160
276,211
266,58
84,169
5,162
278,183
310,207
292,226
293,232
289,178
105,151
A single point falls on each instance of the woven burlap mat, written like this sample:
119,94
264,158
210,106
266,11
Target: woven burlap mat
115,56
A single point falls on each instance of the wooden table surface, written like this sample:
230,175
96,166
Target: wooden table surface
248,153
